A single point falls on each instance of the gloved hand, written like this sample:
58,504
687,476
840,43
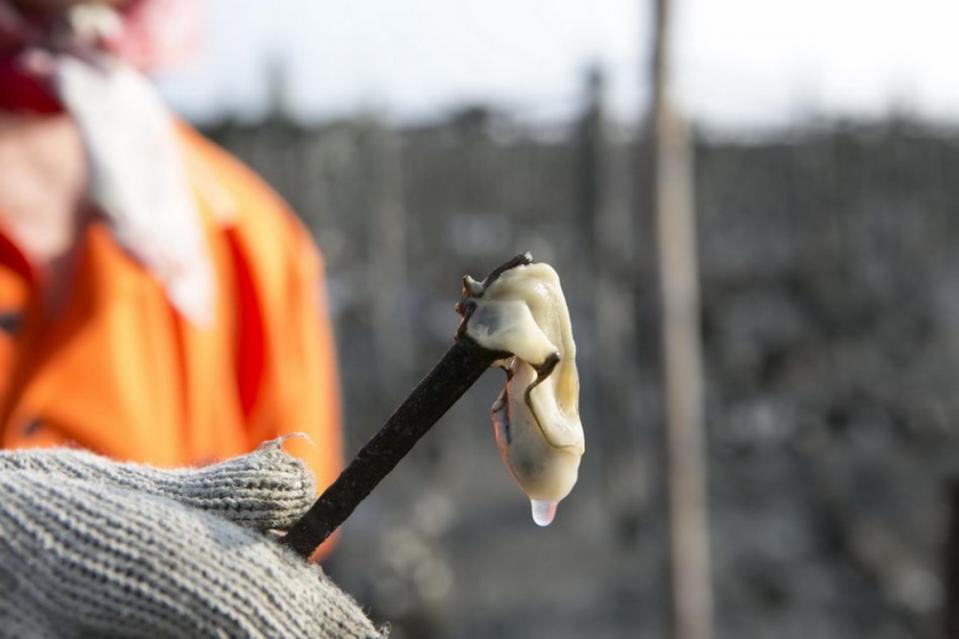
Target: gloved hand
92,547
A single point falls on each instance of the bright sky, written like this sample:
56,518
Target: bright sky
740,63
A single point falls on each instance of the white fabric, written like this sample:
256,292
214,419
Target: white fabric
138,180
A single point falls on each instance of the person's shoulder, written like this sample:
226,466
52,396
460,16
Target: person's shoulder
226,182
241,200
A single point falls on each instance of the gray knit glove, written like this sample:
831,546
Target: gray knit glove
91,547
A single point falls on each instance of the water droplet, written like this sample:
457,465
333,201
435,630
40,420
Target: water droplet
543,511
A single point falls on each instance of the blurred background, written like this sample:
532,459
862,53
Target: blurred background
428,139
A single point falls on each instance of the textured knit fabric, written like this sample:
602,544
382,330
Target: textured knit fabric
89,547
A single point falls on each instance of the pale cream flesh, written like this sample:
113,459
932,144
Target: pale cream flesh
536,420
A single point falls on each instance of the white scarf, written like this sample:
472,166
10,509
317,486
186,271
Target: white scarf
138,179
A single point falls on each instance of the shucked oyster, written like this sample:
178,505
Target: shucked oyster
536,420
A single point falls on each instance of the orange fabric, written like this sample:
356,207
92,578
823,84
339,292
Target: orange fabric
117,371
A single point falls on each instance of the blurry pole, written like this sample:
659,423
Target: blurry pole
604,228
682,350
950,570
590,149
386,282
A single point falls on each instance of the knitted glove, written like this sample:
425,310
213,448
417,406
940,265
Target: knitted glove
91,547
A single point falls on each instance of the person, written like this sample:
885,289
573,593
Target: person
158,303
161,308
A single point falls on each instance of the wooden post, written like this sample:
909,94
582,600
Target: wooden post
590,147
951,562
603,227
682,349
387,281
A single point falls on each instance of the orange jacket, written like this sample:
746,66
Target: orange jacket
118,371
